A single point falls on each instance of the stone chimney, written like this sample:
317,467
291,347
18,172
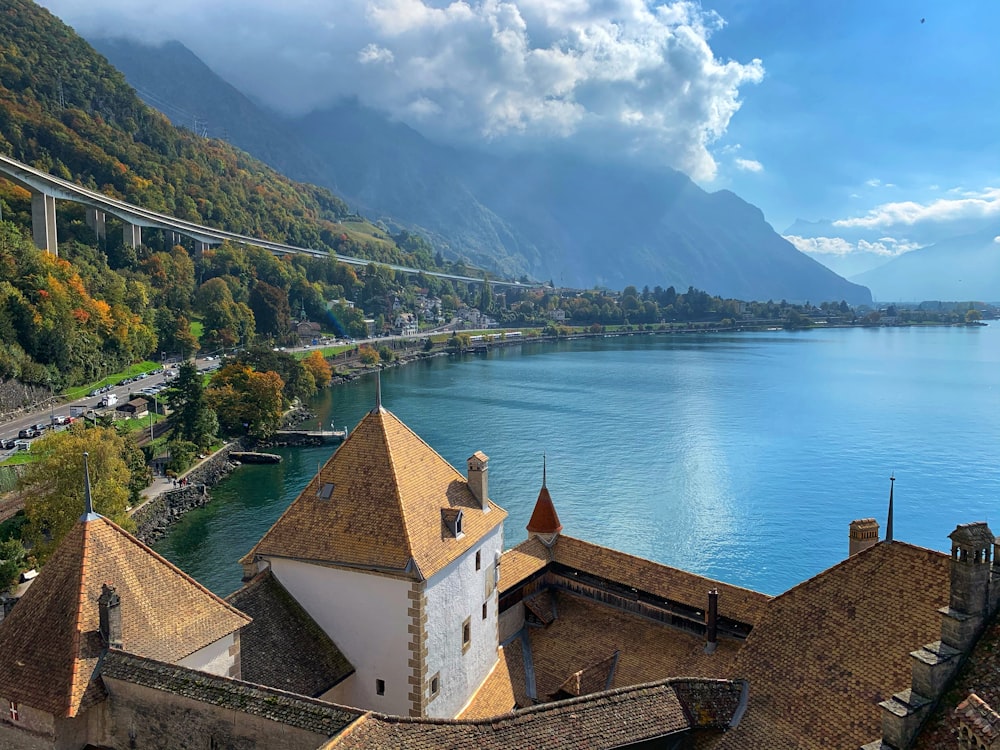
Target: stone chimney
969,594
110,616
863,534
479,468
712,622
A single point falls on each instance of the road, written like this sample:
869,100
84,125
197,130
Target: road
9,430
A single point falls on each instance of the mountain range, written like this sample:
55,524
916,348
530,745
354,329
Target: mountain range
546,215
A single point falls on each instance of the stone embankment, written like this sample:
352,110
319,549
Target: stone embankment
154,518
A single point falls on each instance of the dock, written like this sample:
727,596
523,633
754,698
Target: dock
322,436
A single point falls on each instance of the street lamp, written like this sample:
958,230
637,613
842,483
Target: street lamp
151,419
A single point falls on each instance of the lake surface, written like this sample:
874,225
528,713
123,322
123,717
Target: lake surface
742,457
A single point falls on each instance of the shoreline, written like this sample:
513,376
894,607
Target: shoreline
162,509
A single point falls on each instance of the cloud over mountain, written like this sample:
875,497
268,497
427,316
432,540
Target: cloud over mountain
615,77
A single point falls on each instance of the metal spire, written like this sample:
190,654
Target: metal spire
378,390
543,468
888,523
88,502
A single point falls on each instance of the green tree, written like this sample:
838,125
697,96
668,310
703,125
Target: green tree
12,556
368,356
190,418
973,315
53,486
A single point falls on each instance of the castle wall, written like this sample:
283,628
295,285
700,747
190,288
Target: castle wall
157,720
32,728
366,616
453,597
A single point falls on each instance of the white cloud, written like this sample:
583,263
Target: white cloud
874,182
618,77
984,204
749,165
997,239
372,53
884,246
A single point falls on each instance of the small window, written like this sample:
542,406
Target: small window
324,492
379,687
479,560
15,713
435,684
485,610
458,524
466,634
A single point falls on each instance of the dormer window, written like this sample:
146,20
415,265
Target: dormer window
452,518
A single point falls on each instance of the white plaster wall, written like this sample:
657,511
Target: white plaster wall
455,593
215,658
365,615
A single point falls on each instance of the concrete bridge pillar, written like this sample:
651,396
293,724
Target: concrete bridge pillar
96,221
173,239
43,222
200,247
132,234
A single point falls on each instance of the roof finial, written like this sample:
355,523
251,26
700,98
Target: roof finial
543,468
378,390
888,523
88,502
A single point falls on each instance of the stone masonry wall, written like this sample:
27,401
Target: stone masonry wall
154,518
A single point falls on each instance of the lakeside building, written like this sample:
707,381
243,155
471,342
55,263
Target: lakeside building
380,610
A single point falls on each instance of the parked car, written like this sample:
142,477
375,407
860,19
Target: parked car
27,433
7,443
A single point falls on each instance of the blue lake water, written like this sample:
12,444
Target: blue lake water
741,457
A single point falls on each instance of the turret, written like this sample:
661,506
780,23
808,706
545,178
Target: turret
544,522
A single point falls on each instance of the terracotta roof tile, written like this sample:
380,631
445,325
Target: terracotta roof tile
495,696
587,631
828,650
678,585
384,509
283,647
51,639
519,562
544,519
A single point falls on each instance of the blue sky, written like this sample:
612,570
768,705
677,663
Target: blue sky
856,115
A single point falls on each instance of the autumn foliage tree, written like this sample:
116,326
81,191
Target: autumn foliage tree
316,364
53,485
246,401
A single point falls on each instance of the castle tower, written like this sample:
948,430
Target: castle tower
544,522
391,551
863,533
101,588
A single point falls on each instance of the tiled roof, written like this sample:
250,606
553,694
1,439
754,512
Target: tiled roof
283,647
276,705
677,585
544,519
495,696
51,642
586,631
605,720
521,561
384,508
828,650
979,676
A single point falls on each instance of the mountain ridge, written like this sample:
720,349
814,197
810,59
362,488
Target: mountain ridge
606,225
